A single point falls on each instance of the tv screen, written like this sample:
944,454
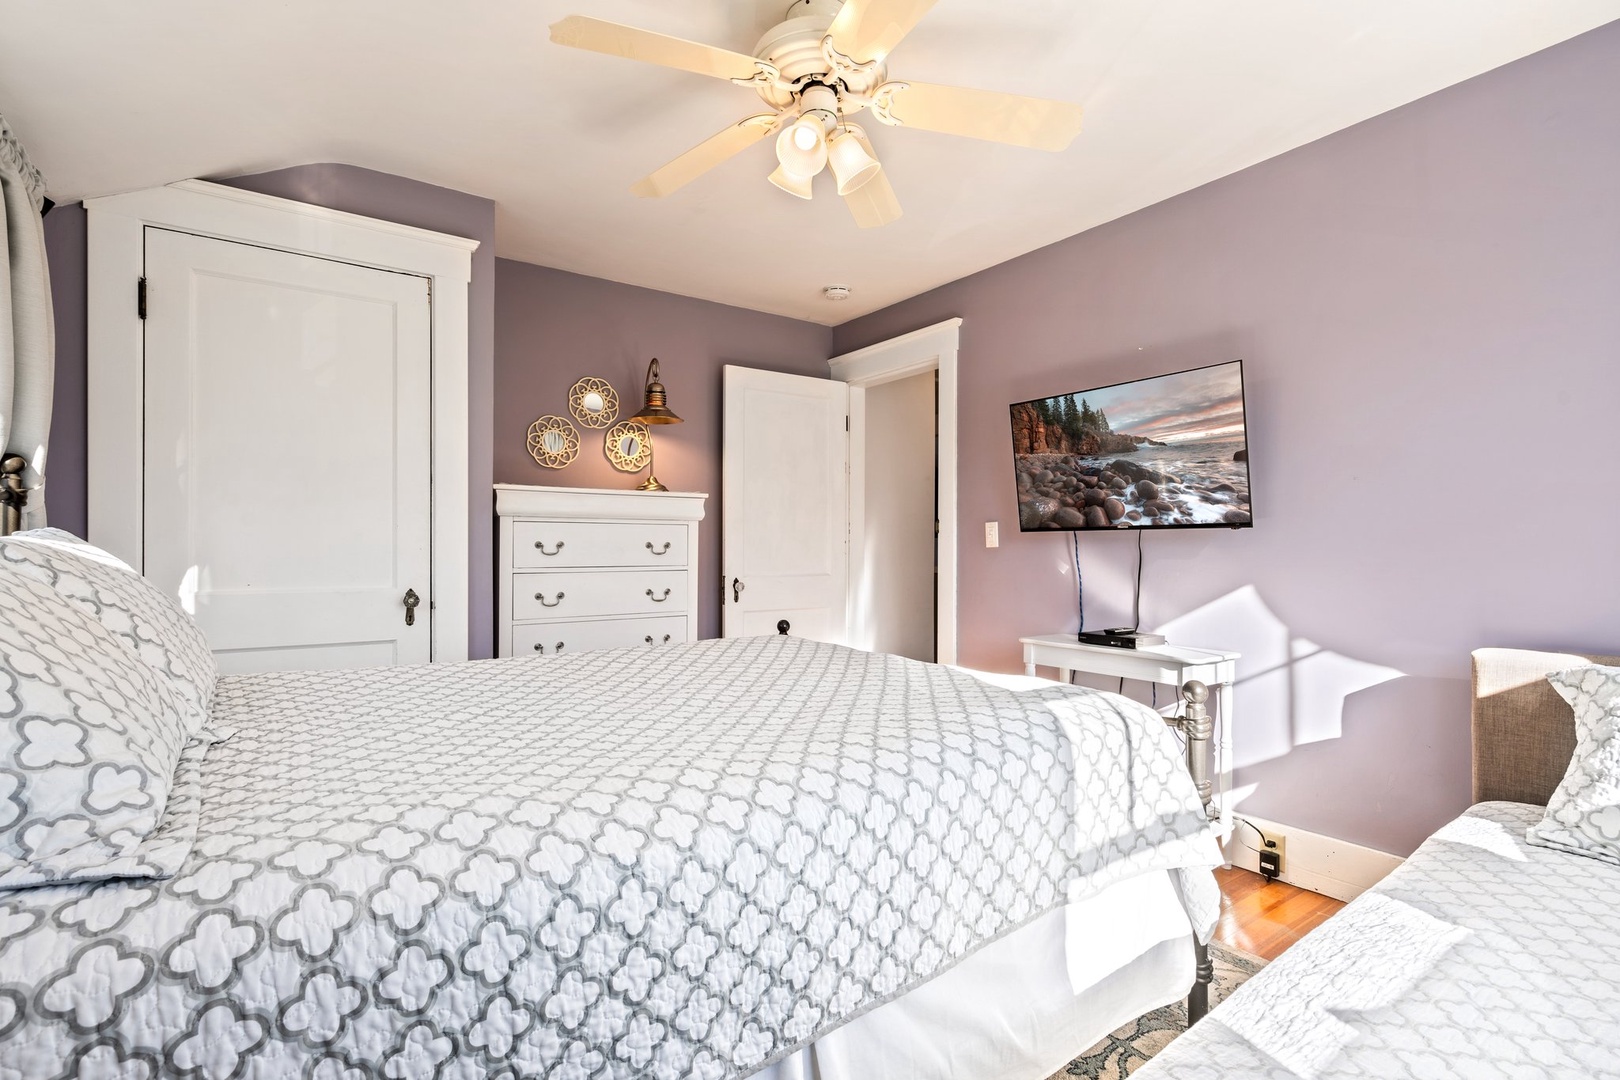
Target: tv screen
1170,452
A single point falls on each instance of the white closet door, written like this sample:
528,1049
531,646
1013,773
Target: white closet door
288,442
785,505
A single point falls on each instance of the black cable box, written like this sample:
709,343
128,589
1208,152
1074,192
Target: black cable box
1124,638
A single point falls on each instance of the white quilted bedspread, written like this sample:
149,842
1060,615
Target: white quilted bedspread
1481,958
675,862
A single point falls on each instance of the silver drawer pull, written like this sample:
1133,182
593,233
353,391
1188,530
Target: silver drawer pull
553,603
655,551
541,545
655,599
540,648
557,649
649,639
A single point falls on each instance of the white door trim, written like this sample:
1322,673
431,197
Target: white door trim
933,348
116,228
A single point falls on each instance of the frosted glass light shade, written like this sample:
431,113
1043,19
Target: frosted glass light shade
851,164
802,147
792,183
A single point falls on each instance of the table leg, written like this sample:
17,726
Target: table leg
1223,764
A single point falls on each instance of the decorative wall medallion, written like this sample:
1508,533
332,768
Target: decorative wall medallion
593,402
553,441
628,446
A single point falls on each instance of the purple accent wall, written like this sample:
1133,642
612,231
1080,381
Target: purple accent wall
1428,307
553,327
339,187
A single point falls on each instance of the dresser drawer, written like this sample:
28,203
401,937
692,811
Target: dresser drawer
540,545
587,594
550,639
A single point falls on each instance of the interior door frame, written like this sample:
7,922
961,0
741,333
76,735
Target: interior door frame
933,348
117,226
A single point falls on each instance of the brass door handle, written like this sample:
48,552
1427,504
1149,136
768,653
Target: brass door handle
541,545
649,639
548,603
657,599
655,551
737,587
411,600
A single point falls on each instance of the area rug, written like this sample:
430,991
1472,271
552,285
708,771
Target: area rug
1125,1050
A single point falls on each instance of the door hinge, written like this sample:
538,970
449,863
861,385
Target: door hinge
140,297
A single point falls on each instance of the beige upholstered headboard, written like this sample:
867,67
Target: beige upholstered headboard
1524,732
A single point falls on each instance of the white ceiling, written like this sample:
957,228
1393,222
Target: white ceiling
110,95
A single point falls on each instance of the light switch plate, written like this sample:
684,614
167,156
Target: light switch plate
992,534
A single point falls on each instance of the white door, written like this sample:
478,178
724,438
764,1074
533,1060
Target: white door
785,501
288,444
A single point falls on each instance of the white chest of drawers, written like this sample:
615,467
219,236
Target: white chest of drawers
591,568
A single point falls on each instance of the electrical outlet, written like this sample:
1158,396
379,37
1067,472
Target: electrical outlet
992,534
1273,855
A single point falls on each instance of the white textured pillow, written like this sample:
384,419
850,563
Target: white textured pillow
1583,816
149,622
90,739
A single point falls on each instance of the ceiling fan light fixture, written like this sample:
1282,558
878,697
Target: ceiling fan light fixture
792,183
852,163
802,147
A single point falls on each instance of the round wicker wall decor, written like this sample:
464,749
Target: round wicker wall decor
553,441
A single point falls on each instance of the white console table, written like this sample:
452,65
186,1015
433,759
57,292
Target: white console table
1167,665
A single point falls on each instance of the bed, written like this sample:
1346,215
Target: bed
1482,956
761,856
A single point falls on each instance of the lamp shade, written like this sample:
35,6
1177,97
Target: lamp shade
851,163
656,410
792,183
802,147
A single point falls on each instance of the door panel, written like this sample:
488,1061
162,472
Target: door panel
288,452
786,505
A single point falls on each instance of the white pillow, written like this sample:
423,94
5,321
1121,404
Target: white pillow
107,588
90,739
1583,815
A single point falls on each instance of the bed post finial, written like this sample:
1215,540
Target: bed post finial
13,493
782,627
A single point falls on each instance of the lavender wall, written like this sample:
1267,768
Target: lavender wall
340,187
1428,305
552,327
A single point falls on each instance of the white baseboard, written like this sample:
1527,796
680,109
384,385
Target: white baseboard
1322,864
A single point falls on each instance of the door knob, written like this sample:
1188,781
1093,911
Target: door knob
737,587
411,600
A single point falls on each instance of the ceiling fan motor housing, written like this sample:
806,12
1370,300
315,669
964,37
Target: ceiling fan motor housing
794,47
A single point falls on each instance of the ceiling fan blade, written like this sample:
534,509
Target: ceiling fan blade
866,30
584,32
984,114
873,203
705,156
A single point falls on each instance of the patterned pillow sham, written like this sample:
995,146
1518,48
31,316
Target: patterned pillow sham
1583,815
149,622
90,740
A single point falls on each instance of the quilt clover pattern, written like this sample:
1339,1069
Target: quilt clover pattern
1480,958
676,862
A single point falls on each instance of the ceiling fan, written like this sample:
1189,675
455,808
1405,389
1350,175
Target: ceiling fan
823,64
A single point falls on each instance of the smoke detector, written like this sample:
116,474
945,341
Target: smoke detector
837,292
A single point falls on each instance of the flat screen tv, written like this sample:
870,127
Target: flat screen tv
1170,452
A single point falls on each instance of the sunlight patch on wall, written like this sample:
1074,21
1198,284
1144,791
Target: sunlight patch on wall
1290,691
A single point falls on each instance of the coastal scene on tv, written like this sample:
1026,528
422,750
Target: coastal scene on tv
1166,451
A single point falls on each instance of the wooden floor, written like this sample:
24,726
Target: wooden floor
1264,919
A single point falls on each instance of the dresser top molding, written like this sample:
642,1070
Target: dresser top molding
597,504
